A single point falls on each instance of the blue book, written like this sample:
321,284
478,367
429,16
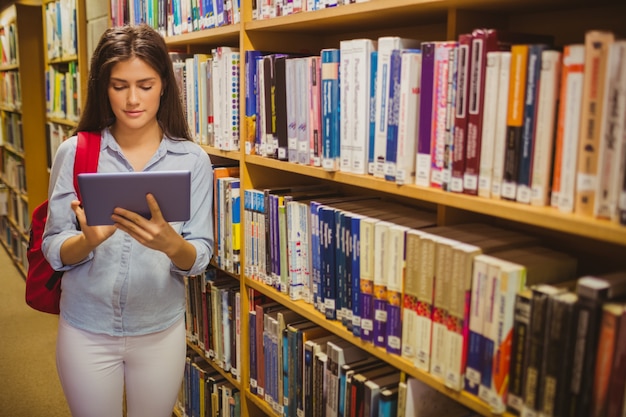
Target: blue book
329,282
286,370
316,259
388,402
393,113
347,253
252,351
355,273
250,94
528,129
340,265
331,112
372,111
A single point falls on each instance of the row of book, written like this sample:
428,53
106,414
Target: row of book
209,87
268,9
11,131
13,241
63,91
480,115
10,90
61,36
213,318
398,282
205,392
176,17
8,44
300,368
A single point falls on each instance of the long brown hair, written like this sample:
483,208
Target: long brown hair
119,44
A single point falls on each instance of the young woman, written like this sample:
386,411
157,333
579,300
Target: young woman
121,327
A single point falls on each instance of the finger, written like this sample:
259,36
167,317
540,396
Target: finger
155,210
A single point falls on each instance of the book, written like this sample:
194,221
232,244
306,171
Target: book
422,168
386,45
339,353
527,147
424,400
596,53
521,323
611,135
458,151
515,120
499,147
363,90
331,133
372,390
547,100
566,148
612,314
346,373
388,402
615,401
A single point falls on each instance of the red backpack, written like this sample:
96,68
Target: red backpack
43,284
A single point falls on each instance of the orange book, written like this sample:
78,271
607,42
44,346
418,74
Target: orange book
596,54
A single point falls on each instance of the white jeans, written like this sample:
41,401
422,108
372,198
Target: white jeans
94,369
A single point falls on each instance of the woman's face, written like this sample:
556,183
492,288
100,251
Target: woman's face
134,93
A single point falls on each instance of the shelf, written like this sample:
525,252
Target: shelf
223,35
234,155
544,217
214,365
60,121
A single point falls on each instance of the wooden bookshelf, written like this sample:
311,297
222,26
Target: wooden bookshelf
24,18
309,32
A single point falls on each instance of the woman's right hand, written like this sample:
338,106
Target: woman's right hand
94,235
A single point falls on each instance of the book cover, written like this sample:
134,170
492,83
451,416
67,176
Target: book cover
521,323
499,147
527,145
294,102
372,112
363,91
408,113
386,45
395,287
596,54
515,120
566,148
545,131
331,115
422,169
315,117
340,352
464,62
347,103
611,150
617,382
490,109
393,116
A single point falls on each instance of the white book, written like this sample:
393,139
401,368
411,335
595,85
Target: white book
612,134
386,45
425,298
499,146
190,85
293,100
490,110
361,58
346,104
571,127
408,117
395,285
544,129
303,75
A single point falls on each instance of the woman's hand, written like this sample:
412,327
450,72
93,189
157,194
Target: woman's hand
156,233
94,235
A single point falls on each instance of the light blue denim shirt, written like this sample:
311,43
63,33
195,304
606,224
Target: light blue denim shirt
124,288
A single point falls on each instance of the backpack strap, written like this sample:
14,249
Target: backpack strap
87,154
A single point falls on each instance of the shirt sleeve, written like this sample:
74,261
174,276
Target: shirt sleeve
199,229
61,223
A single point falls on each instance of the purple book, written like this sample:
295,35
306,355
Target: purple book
422,176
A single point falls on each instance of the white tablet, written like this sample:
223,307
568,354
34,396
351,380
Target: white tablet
102,192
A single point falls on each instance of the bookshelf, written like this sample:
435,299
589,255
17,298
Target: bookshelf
309,32
22,113
66,67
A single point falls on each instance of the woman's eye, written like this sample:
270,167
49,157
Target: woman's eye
118,87
146,88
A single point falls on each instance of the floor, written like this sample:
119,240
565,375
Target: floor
29,386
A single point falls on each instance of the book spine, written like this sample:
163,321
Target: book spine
282,136
407,121
315,117
363,49
340,266
521,323
479,300
346,104
397,239
568,125
440,112
367,279
596,53
617,383
328,242
528,125
515,120
422,170
393,109
545,127
355,230
410,296
607,336
490,109
372,112
464,61
425,303
330,59
382,256
611,134
294,102
499,147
